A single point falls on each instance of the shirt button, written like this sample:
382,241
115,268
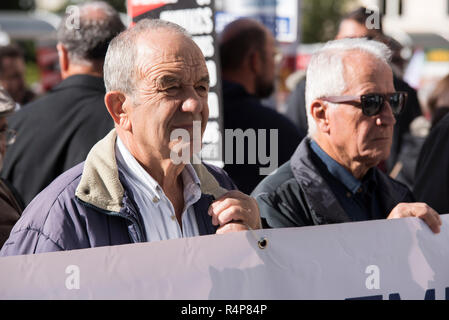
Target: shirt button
155,199
173,217
348,194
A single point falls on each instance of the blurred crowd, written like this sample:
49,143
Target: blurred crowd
319,179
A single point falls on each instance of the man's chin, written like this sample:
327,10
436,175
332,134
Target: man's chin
184,152
373,158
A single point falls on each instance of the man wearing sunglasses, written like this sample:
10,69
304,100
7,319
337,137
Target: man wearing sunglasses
333,176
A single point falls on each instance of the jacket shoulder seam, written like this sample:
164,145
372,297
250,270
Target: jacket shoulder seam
40,233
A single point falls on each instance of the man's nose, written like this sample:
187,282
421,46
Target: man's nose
192,102
386,115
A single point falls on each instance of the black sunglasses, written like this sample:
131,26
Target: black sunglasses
372,103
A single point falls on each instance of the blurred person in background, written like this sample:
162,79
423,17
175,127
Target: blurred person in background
12,75
247,53
359,24
413,141
438,101
10,205
58,129
398,63
432,168
354,25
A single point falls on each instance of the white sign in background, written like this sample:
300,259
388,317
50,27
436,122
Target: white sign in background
280,16
399,257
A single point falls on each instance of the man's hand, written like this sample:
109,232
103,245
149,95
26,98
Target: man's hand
235,211
419,210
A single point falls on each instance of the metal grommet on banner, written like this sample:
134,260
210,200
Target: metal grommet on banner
263,243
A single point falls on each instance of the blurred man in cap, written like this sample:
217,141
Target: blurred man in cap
10,207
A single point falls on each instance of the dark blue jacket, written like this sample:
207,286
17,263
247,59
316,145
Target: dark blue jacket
88,206
432,169
297,195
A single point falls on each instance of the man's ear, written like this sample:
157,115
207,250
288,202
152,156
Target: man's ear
119,108
63,57
320,112
255,62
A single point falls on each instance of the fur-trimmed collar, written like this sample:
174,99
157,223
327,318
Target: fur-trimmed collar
100,185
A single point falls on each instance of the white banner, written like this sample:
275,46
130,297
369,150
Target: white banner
394,259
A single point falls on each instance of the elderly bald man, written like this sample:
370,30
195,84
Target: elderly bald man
132,188
332,177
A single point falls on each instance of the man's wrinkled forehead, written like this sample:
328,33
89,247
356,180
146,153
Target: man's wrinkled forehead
166,46
356,61
173,55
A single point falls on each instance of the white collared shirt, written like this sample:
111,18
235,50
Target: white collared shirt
156,209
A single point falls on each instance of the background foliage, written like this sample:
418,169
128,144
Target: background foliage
320,19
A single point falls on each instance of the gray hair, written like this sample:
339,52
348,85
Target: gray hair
87,30
325,72
120,62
